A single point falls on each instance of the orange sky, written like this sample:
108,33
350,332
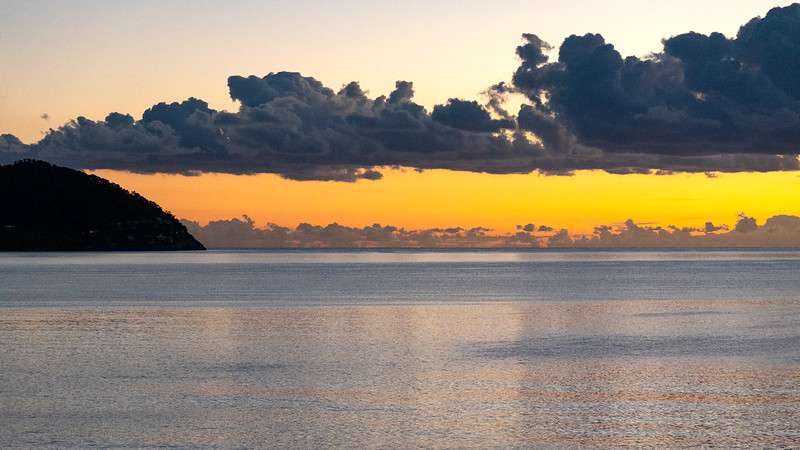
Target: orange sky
62,60
440,198
96,57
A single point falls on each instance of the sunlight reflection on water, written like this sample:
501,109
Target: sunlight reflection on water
564,364
389,256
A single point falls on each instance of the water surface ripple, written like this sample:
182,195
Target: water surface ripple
400,349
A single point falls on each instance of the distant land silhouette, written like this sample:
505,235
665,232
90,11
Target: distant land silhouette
50,208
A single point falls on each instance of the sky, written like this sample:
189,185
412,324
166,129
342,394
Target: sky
249,107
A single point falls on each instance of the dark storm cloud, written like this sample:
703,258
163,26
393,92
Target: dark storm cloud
706,103
703,96
11,144
293,126
468,116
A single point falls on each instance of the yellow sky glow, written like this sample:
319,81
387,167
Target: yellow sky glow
440,198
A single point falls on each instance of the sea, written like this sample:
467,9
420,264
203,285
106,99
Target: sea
401,349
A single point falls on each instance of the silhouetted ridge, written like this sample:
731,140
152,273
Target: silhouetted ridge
47,207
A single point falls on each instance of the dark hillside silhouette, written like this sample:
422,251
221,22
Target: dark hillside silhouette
47,207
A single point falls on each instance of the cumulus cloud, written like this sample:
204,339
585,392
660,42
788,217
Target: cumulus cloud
705,103
242,233
10,144
777,231
746,224
468,116
711,228
705,100
290,125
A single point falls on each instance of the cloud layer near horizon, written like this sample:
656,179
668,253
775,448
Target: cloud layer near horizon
777,231
705,103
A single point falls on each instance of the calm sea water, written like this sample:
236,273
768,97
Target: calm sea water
402,349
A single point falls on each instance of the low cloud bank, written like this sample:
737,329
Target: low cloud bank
242,233
777,231
704,103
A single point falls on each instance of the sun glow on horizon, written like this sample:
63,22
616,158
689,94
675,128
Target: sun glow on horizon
440,198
